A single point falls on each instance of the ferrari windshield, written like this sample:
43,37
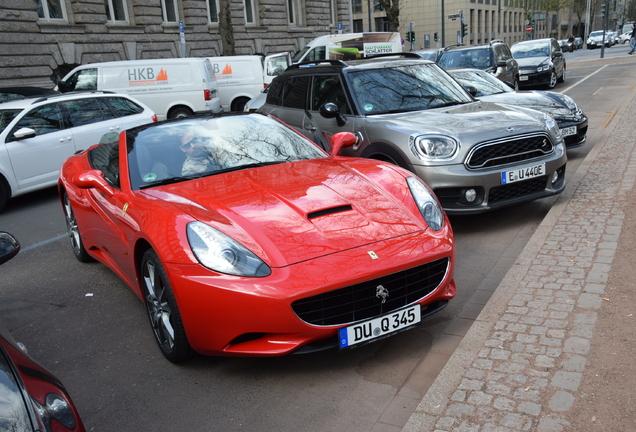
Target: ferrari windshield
484,83
406,87
178,151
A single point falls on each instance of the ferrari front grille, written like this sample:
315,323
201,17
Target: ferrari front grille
361,301
509,150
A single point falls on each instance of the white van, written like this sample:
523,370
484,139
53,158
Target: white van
349,46
172,88
242,77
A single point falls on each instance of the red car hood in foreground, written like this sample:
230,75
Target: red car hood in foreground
294,212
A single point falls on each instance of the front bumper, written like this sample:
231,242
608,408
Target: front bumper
450,183
534,79
577,140
235,316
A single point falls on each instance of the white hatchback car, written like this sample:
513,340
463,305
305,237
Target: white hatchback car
38,134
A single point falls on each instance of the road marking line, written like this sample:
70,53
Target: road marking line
42,243
609,119
589,76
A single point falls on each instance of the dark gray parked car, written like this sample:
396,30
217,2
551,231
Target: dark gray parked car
475,155
541,62
570,118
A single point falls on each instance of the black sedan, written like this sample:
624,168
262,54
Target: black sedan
31,399
570,118
541,62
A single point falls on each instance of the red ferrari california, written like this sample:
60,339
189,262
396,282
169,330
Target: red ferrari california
244,238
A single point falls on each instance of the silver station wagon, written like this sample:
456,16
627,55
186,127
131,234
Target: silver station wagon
475,155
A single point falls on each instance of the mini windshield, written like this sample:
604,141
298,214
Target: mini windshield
483,82
530,49
403,88
194,148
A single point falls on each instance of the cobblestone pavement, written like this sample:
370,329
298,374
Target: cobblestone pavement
521,364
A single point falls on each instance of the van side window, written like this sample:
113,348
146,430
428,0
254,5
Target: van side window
327,88
124,107
43,120
316,54
86,111
85,79
295,92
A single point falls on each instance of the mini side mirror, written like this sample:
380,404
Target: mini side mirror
9,247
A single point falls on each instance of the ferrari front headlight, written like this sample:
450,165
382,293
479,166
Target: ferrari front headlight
427,204
222,253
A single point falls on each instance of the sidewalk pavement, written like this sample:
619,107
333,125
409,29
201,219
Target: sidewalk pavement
521,364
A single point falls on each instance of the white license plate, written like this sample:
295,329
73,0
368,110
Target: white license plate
568,131
379,327
523,78
522,174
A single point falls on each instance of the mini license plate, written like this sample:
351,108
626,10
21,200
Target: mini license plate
568,131
523,78
522,174
378,327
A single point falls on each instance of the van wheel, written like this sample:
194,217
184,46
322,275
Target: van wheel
180,112
238,104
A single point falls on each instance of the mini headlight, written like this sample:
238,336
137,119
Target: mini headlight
426,203
551,124
433,146
569,102
223,254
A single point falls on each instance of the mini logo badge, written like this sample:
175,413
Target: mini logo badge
381,293
510,129
373,255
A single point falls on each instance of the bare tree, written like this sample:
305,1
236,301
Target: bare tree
226,30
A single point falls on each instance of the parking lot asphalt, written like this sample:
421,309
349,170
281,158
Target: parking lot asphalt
522,363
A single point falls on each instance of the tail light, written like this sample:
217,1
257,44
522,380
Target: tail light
265,85
154,118
209,94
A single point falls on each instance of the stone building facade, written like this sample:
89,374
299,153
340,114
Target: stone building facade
42,40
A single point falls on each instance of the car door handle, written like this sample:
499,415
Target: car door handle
114,128
68,138
310,128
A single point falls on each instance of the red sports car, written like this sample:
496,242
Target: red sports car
31,398
244,238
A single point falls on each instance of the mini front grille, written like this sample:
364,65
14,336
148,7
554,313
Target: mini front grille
503,152
516,190
359,302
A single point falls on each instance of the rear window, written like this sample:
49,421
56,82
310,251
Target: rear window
124,107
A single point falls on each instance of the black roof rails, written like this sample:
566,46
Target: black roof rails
47,97
317,62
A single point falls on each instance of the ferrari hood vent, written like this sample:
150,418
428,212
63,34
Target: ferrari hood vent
329,211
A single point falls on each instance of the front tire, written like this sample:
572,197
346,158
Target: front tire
74,233
553,80
163,312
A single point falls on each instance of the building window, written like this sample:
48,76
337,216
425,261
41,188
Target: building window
381,24
213,11
249,12
50,10
357,26
356,6
295,12
332,12
116,10
170,12
291,10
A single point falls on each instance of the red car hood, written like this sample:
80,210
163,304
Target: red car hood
297,211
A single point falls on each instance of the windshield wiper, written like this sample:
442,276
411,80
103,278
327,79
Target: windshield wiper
447,104
246,166
166,181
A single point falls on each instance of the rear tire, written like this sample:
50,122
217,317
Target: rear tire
238,104
181,112
562,78
163,312
4,194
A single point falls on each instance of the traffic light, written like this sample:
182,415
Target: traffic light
464,29
435,36
603,10
412,36
408,35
